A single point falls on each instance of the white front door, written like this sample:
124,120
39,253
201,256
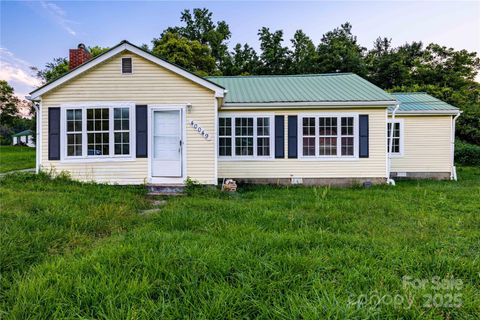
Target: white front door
167,143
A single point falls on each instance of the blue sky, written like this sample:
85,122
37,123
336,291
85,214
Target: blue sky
34,32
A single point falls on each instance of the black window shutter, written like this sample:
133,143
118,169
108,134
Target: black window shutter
292,136
141,125
53,133
363,128
279,136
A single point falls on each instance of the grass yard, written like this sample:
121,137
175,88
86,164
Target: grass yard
16,158
73,250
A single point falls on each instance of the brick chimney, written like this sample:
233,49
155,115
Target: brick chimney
78,56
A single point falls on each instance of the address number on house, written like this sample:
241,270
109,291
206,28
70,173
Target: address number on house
199,130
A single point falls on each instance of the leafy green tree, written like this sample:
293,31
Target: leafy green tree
8,104
189,54
304,56
97,50
385,65
275,57
243,61
199,26
10,119
446,67
53,70
339,51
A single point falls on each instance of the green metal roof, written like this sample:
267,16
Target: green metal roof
23,133
334,87
420,101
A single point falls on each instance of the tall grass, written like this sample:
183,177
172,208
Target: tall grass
16,158
261,253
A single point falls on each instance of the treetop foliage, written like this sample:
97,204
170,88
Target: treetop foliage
200,45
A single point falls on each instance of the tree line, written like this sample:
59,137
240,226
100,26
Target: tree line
201,46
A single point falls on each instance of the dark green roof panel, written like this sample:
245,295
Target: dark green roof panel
335,87
23,133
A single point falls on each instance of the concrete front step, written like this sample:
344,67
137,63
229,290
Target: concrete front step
165,190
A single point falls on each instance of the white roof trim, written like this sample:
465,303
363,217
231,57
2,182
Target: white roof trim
219,91
308,104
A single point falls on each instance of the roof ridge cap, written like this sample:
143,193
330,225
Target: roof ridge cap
287,75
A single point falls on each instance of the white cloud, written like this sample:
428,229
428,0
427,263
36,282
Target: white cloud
59,16
17,73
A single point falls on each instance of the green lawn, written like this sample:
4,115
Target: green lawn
16,158
72,250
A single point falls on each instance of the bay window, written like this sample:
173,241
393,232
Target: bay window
328,136
97,131
245,136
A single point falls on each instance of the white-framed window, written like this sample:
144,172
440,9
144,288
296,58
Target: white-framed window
328,135
397,138
245,136
74,132
97,131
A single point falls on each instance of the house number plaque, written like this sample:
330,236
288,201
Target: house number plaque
199,130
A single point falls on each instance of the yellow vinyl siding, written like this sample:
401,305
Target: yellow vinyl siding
427,144
148,84
372,167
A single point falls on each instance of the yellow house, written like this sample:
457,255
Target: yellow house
129,117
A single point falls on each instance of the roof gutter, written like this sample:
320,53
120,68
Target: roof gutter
232,105
390,181
427,112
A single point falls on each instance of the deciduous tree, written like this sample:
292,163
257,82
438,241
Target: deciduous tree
339,51
274,57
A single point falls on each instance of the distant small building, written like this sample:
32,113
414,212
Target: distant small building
24,137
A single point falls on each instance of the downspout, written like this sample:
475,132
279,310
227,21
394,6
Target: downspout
37,133
390,181
453,173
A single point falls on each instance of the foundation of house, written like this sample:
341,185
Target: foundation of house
420,175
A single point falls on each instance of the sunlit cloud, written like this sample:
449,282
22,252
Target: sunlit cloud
17,73
59,16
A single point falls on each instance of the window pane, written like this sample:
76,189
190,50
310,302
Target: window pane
347,146
308,146
244,146
308,126
263,126
225,145
225,126
89,125
347,126
118,148
327,146
125,113
327,126
263,146
74,144
74,120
